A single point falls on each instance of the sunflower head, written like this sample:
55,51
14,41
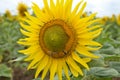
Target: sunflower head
8,14
104,20
113,18
22,8
59,39
118,19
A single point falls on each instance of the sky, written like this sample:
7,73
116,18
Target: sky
102,7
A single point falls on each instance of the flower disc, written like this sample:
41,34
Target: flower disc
56,38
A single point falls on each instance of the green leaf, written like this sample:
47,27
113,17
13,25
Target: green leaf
103,79
5,71
36,79
115,65
97,62
112,58
107,49
103,72
18,59
76,78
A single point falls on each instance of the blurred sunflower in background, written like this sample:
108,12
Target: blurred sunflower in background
58,39
113,18
118,19
1,19
8,14
104,20
22,8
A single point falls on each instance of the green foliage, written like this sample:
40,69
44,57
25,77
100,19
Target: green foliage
110,53
102,72
5,71
115,65
10,33
97,63
37,79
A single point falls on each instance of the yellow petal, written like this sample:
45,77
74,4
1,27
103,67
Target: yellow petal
33,39
86,59
29,22
30,50
73,71
46,69
81,24
68,6
23,40
66,70
27,43
32,55
79,60
90,35
52,7
81,10
34,19
46,4
89,43
35,66
39,13
53,68
73,17
26,33
29,58
92,22
46,7
76,8
56,13
71,62
30,39
59,69
86,30
92,48
36,59
94,27
41,65
28,28
96,33
61,9
85,52
29,34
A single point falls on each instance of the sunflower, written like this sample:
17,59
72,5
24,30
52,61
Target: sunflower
104,20
58,39
22,8
118,19
8,14
113,18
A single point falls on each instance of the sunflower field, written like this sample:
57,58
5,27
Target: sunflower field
56,43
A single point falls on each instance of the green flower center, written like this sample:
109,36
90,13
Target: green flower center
55,38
